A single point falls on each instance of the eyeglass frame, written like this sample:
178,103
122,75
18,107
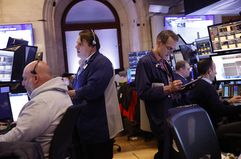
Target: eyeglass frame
169,48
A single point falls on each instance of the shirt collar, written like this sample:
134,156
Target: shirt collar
207,80
88,58
180,75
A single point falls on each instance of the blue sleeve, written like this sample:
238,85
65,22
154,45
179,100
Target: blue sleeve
144,79
98,80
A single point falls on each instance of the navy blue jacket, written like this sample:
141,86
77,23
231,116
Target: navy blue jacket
90,86
156,101
179,77
204,94
184,99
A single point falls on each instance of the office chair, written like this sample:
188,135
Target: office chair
65,140
21,150
193,133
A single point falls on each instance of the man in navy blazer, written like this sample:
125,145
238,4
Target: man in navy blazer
157,88
205,95
182,73
100,119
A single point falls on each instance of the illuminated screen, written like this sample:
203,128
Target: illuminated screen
6,64
5,108
228,66
17,101
225,37
189,27
235,90
18,31
225,91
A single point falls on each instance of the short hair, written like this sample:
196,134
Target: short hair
165,34
180,64
90,36
204,65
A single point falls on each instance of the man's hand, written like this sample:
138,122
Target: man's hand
173,87
176,85
234,99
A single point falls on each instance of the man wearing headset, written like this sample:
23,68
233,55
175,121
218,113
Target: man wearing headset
100,119
48,102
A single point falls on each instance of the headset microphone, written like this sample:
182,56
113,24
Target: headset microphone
93,34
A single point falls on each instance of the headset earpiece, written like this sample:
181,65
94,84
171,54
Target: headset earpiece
93,34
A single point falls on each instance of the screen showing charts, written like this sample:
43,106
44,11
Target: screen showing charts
225,37
228,66
6,63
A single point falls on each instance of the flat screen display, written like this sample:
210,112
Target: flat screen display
228,66
189,27
18,31
17,100
134,57
6,64
5,107
225,37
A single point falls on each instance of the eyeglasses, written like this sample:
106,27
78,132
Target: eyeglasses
35,67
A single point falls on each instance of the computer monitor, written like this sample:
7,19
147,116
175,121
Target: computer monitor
14,42
18,62
6,64
203,46
30,54
17,100
189,27
16,31
5,107
188,54
225,37
133,61
23,54
228,66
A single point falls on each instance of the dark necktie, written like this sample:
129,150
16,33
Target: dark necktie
163,65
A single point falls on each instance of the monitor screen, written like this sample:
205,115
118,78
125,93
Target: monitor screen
235,90
189,27
6,64
133,60
225,37
228,66
30,54
17,100
18,31
5,107
203,46
226,91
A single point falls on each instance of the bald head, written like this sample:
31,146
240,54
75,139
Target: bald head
35,74
38,67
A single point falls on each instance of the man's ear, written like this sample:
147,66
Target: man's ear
36,78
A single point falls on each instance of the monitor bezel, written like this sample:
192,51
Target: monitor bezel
11,115
233,53
12,65
211,43
29,26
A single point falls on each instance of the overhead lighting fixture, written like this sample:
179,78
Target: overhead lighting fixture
158,8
